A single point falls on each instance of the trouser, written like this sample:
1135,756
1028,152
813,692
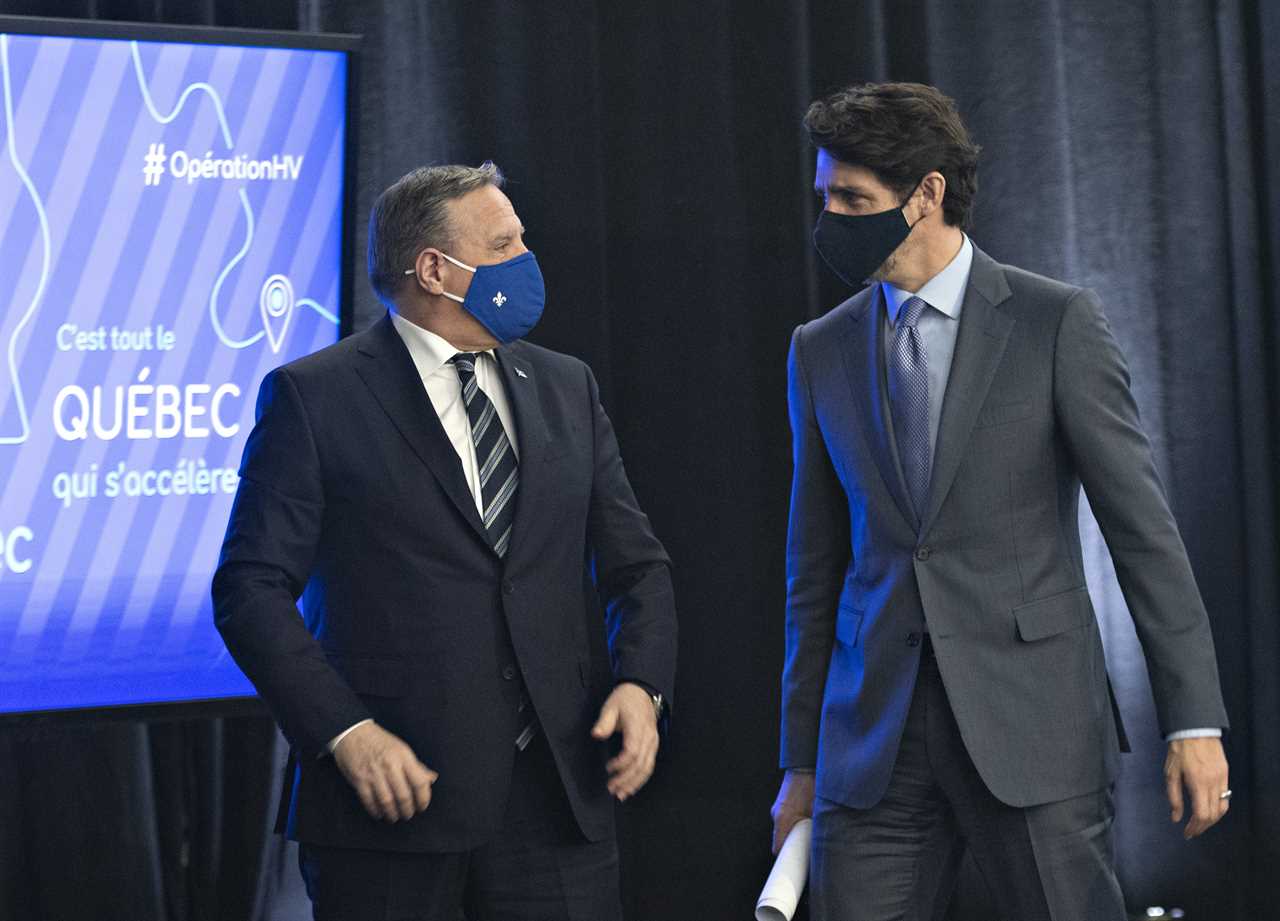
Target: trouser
898,859
538,867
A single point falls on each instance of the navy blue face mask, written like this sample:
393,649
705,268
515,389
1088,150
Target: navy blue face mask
507,298
856,245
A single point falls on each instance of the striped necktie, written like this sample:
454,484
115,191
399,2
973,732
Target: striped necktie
909,402
499,473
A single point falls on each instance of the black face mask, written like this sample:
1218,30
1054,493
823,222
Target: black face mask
854,246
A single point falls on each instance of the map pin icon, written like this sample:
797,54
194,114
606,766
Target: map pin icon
276,301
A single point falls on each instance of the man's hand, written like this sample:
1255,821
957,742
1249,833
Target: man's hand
1200,766
629,710
393,785
794,802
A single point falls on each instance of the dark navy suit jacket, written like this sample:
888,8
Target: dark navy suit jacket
353,498
1037,403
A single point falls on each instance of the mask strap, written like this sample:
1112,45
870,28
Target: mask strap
913,191
461,265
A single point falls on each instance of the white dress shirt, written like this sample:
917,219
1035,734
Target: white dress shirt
431,354
938,326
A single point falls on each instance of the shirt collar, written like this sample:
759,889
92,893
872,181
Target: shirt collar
430,352
943,292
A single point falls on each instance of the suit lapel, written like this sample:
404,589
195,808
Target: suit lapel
980,343
864,363
519,377
390,373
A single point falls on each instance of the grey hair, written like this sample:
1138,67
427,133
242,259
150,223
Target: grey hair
412,215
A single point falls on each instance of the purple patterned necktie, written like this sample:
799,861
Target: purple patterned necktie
909,402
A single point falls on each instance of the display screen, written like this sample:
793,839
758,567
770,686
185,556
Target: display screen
171,229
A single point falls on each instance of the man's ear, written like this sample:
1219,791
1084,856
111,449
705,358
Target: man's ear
931,192
428,271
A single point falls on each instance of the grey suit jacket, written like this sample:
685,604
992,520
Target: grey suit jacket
1038,402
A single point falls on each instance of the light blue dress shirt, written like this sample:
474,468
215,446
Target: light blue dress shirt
944,293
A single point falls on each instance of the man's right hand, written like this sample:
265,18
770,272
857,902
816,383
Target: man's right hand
393,785
794,802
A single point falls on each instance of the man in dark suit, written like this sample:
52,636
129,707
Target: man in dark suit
944,683
440,494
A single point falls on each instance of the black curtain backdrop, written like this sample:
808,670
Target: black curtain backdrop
654,152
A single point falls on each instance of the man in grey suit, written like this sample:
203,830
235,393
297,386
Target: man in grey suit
944,683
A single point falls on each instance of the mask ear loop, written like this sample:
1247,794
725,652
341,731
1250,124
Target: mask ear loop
461,265
905,201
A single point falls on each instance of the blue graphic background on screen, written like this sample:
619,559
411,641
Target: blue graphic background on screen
188,197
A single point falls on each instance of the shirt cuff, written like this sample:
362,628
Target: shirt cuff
333,743
1194,734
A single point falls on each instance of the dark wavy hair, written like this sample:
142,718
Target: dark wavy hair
900,132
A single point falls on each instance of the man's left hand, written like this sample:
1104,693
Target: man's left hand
629,710
1200,767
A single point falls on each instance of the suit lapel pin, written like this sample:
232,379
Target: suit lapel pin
520,373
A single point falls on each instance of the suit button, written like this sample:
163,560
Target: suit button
508,586
509,673
913,639
923,553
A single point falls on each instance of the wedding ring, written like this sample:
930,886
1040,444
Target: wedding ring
1226,794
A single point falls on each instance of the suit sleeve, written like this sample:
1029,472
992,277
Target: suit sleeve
265,563
631,568
1097,413
817,557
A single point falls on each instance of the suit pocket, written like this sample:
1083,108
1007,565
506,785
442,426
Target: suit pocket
373,676
1001,413
848,625
1053,615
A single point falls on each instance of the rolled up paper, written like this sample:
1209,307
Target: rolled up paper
781,893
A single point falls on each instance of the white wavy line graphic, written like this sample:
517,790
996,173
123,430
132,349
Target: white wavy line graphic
182,100
308,302
222,276
226,136
12,146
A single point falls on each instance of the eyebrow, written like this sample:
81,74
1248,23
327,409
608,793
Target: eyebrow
506,237
839,187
